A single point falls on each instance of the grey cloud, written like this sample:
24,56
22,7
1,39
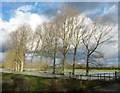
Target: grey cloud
50,12
84,6
108,19
119,12
4,46
94,7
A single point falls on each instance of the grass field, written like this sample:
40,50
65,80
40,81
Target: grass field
91,70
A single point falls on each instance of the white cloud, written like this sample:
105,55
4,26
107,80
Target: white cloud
25,8
27,17
90,12
3,33
19,18
36,3
110,50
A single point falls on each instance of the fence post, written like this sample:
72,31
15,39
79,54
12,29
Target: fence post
109,76
104,76
116,75
90,77
98,76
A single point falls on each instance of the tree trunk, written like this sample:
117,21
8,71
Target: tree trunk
46,62
18,67
54,62
22,62
63,63
74,60
21,69
40,58
87,65
55,50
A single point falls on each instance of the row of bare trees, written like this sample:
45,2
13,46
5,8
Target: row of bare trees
66,30
18,41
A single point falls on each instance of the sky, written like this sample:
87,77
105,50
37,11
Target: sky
14,14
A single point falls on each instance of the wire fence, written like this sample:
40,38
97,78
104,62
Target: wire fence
98,76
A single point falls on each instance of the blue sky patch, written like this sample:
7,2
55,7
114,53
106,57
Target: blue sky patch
49,8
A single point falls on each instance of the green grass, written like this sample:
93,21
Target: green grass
37,83
24,82
0,73
95,70
91,70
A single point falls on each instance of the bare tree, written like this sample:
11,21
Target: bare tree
96,59
19,39
65,24
36,40
39,41
93,37
45,43
76,39
52,42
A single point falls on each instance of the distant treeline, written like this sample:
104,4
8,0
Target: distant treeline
99,67
83,66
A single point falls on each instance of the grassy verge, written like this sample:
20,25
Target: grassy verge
19,82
